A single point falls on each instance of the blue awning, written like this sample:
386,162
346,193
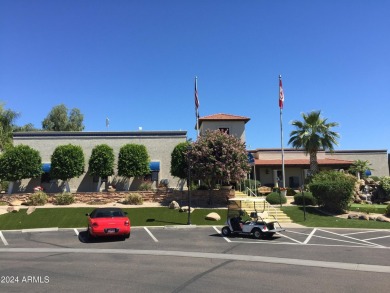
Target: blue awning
46,167
154,166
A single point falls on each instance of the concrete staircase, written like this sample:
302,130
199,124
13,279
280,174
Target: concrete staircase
273,210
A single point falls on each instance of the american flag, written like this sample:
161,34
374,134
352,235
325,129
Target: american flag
281,94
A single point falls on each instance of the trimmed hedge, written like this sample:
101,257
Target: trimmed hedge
276,198
308,196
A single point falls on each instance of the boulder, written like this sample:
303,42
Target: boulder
30,210
174,205
16,202
364,217
13,209
383,219
372,218
213,217
185,209
353,216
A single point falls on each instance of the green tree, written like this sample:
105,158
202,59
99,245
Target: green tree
67,161
58,119
25,128
218,157
101,162
179,166
133,161
312,135
7,120
20,162
360,167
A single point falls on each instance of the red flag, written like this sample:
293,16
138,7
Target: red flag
281,94
196,95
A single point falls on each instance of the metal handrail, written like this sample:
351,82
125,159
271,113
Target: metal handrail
250,192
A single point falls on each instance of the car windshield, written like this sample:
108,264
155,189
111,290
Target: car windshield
107,214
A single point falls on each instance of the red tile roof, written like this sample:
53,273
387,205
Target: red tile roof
301,162
222,116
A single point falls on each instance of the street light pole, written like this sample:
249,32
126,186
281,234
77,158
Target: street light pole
189,148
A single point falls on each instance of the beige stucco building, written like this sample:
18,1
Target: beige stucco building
267,165
159,145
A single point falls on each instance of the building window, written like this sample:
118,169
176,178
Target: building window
224,129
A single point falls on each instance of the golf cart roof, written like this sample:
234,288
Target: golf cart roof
247,199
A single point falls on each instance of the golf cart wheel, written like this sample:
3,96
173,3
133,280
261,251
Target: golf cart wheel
257,234
226,231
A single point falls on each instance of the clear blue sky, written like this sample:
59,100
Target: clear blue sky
135,62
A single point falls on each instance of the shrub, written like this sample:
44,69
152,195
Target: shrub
4,185
387,212
385,184
291,192
37,199
333,190
134,198
65,198
145,186
307,196
276,198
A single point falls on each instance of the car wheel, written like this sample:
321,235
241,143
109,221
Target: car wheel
257,233
226,231
127,236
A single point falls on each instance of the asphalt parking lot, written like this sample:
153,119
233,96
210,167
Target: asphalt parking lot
206,238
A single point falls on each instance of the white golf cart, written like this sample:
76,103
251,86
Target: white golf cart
257,224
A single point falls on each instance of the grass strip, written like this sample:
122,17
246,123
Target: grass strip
75,217
314,218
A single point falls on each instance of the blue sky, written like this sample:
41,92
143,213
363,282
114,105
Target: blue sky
135,62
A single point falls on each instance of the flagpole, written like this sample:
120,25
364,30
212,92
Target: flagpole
196,107
281,101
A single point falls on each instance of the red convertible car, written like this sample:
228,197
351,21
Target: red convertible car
108,222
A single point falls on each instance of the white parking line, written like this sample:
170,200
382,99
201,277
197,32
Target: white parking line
310,235
219,232
151,235
355,240
3,239
76,231
377,238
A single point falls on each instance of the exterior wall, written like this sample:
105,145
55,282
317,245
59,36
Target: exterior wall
236,128
377,158
275,154
159,145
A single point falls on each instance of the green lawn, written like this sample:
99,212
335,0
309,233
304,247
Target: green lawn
314,218
75,218
368,208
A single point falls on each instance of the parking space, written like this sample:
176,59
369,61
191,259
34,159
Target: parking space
324,237
208,239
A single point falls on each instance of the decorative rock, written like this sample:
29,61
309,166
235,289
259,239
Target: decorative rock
13,209
372,218
353,216
363,217
213,217
174,205
30,210
16,202
383,219
185,209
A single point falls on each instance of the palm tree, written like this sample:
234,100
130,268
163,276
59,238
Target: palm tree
312,135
